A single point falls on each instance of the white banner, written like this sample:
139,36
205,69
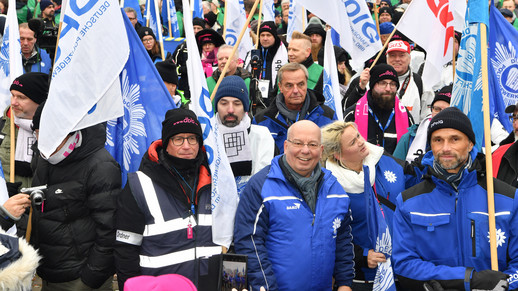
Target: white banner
236,19
268,10
224,191
331,84
93,49
10,56
353,21
296,19
430,25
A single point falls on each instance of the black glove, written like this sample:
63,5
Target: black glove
489,280
13,188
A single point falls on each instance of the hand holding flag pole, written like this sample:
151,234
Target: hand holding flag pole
234,49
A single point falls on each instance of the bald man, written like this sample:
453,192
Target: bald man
291,244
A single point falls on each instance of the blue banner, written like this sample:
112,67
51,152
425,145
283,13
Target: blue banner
146,100
503,45
174,31
198,9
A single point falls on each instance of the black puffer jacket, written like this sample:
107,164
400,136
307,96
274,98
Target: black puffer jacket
75,231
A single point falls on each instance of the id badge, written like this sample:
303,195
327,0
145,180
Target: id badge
264,86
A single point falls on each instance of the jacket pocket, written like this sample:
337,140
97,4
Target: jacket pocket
429,220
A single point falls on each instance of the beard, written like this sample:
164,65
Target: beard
230,123
384,101
315,48
453,164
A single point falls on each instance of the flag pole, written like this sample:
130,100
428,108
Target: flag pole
13,148
148,4
388,39
453,59
169,16
258,24
376,17
487,140
225,21
234,49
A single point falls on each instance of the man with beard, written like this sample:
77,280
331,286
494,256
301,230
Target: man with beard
318,37
441,225
249,147
380,118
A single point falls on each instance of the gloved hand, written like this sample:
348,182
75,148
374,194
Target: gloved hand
489,280
13,188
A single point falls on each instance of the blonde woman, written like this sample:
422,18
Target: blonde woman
372,179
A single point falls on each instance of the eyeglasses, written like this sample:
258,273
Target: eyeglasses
132,18
147,40
299,144
178,140
384,84
436,109
513,118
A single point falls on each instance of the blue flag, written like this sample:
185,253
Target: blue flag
146,101
381,241
467,88
503,45
197,9
135,5
170,17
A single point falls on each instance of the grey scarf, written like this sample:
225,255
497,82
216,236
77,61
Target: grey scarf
307,186
452,179
291,116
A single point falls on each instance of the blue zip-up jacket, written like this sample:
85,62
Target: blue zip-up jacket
40,62
319,113
289,247
440,232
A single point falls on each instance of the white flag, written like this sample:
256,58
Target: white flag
353,21
296,18
236,19
268,10
85,88
224,192
10,56
430,25
331,84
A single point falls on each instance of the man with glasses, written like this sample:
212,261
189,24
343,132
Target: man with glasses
505,158
294,102
381,118
293,220
132,15
413,144
164,219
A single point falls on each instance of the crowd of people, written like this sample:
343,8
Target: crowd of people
396,193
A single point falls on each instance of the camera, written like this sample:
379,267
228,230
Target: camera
256,63
36,194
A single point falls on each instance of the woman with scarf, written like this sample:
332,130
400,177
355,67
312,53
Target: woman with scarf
372,179
208,43
148,39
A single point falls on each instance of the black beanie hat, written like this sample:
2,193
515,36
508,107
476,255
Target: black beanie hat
210,18
209,35
452,117
143,31
180,120
167,70
443,95
316,28
387,10
268,26
37,117
382,72
34,85
198,21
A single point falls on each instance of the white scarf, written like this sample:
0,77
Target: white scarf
236,141
74,141
418,146
24,140
352,181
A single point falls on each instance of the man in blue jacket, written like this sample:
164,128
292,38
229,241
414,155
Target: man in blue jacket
294,102
293,220
441,232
